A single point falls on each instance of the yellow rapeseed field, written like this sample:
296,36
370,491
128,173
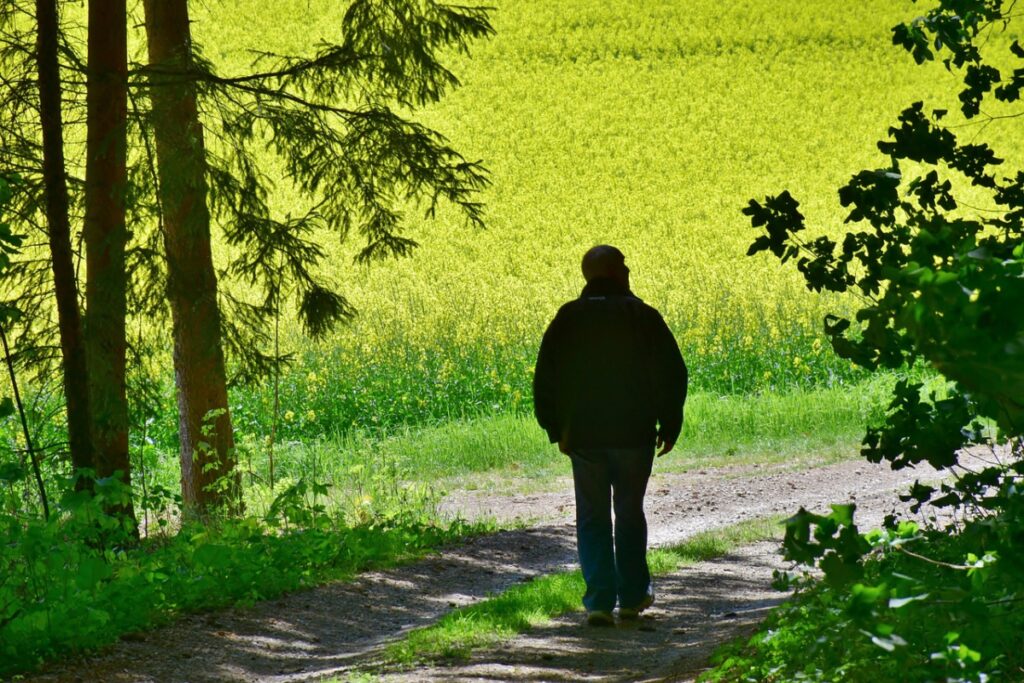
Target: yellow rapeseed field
647,124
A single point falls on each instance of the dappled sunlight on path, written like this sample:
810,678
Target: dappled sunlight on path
696,608
342,628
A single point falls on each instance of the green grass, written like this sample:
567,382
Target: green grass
494,620
798,427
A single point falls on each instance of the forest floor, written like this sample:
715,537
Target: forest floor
339,630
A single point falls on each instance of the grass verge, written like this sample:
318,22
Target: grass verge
719,431
521,607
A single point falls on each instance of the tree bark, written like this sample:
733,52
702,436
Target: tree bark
72,341
208,476
106,236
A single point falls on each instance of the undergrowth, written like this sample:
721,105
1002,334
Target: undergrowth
339,504
75,582
907,603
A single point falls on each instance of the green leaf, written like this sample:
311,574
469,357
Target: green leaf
866,594
843,514
839,571
12,472
214,556
966,654
91,571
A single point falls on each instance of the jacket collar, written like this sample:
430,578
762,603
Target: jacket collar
604,286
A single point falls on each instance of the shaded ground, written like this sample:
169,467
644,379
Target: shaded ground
340,628
697,608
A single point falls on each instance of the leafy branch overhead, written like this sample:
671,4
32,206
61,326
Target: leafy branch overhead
10,241
333,120
939,280
175,148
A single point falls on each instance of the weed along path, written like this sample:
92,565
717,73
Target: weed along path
346,629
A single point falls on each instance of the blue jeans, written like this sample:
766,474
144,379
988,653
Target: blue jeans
614,565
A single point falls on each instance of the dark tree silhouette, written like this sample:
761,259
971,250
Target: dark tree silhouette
106,237
55,192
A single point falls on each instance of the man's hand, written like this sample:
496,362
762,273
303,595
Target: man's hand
563,446
664,446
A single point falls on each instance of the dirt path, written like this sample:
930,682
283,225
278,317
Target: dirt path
338,629
698,608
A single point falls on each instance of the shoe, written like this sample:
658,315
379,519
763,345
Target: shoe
630,613
600,617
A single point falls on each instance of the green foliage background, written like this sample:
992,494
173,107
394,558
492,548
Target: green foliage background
936,598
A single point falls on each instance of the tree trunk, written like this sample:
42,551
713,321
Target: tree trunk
72,342
106,236
208,476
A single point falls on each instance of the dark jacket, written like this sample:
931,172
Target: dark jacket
609,373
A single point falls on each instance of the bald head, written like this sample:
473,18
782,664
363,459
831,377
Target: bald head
605,260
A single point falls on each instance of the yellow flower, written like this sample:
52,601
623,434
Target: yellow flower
310,415
289,416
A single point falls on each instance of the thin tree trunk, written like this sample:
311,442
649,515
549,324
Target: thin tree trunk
72,342
209,478
106,236
20,407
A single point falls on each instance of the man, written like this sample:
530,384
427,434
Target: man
609,388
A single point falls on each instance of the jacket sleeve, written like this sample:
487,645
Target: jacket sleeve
671,378
545,381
